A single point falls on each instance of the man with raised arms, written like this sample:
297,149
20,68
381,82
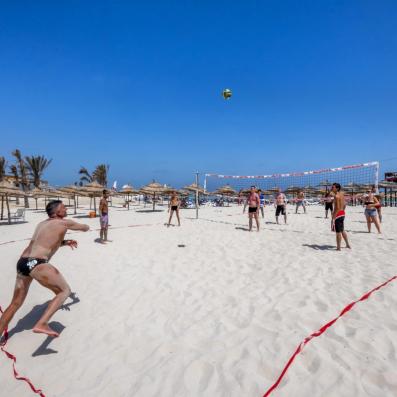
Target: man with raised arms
253,203
34,264
281,205
338,216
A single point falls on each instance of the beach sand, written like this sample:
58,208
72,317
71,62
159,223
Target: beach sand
218,316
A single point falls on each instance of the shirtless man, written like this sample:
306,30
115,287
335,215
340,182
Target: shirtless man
104,217
281,205
300,201
328,200
34,264
173,206
338,216
253,203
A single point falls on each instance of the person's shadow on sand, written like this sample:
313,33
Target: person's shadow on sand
28,322
319,247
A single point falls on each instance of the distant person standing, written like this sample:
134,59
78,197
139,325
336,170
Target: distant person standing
262,202
328,200
253,203
378,205
173,206
104,217
338,216
281,205
300,202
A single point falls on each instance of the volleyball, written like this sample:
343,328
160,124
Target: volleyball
226,93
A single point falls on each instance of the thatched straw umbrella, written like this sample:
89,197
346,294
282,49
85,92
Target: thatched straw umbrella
126,191
36,193
74,191
353,188
6,190
93,190
195,188
226,190
152,189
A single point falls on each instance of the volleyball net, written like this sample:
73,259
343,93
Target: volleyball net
348,176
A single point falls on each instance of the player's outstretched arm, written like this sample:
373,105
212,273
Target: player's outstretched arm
72,225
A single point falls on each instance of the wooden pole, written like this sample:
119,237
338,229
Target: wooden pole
154,200
74,201
8,210
2,207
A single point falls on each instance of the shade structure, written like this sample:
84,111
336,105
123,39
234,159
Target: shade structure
226,190
93,190
325,183
74,191
7,189
126,191
36,193
183,192
390,191
193,188
153,189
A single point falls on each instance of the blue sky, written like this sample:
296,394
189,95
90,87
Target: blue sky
138,85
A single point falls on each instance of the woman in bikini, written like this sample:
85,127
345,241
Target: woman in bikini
371,213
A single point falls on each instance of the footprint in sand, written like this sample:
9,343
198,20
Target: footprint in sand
197,376
321,306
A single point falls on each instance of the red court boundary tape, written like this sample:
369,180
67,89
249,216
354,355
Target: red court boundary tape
320,331
14,360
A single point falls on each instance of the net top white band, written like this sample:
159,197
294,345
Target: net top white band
346,167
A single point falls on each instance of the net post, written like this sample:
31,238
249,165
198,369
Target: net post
377,176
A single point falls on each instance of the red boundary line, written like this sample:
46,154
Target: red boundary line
14,361
320,331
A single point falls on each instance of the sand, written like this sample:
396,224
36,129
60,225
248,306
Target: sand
218,317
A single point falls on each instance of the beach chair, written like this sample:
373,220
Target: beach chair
19,214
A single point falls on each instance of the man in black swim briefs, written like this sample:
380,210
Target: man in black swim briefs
34,264
253,202
173,206
338,216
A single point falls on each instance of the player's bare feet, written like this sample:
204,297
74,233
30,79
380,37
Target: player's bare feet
45,329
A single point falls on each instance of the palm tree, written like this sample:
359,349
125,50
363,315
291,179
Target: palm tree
22,172
85,175
101,174
36,166
14,172
2,167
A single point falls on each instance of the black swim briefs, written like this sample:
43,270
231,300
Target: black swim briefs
340,224
329,206
280,209
26,265
252,209
174,208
